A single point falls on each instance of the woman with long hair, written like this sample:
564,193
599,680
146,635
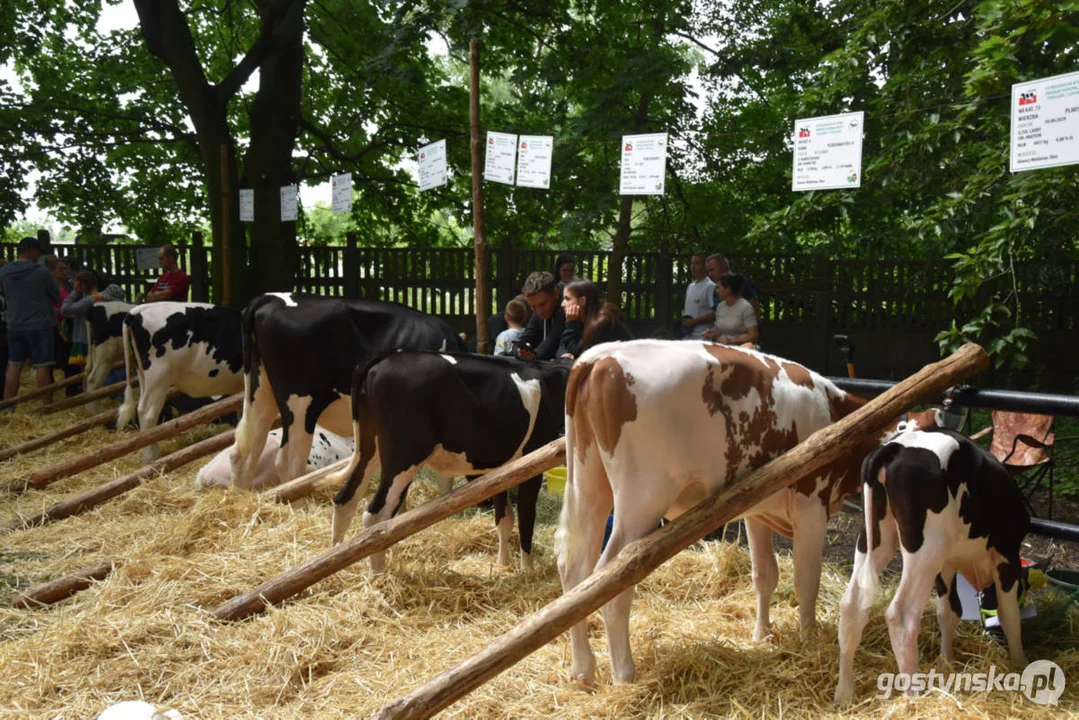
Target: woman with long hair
565,270
589,320
736,321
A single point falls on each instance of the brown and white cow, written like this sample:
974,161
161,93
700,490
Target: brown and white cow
948,506
653,427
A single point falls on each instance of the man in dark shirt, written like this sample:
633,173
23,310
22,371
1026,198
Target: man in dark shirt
31,291
543,333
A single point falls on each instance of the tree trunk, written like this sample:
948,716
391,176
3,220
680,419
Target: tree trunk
274,122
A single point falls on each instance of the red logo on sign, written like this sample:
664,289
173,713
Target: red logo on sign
803,132
524,146
1027,98
629,147
490,141
423,155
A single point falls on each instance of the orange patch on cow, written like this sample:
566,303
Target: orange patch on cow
611,404
798,375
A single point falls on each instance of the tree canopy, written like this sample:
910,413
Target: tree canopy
158,127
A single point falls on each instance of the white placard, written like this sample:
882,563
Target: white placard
341,192
828,152
432,160
146,258
1045,123
644,164
288,202
501,158
247,205
534,161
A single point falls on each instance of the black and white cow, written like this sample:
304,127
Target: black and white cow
105,326
193,347
299,354
949,507
326,449
457,414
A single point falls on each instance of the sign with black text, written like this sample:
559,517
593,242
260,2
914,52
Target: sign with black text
341,192
289,198
501,158
644,164
828,152
534,161
1045,123
432,161
247,205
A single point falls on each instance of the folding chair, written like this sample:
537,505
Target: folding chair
1023,443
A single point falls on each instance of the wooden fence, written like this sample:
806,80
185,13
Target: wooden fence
892,308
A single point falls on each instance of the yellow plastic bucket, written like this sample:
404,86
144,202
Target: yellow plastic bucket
556,480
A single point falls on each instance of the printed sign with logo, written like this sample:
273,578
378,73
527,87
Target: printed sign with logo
644,164
289,195
828,152
432,161
534,161
501,158
1045,123
247,205
341,192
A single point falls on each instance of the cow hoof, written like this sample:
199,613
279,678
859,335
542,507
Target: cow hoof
843,696
526,562
764,634
586,679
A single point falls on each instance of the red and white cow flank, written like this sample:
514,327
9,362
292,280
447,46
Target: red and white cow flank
653,427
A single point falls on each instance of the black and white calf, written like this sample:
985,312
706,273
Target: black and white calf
105,326
299,354
326,449
193,347
950,507
457,414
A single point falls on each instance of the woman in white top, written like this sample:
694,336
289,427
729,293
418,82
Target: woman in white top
736,322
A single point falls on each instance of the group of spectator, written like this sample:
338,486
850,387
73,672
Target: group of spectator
44,301
720,305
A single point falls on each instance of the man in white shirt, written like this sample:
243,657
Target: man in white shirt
697,316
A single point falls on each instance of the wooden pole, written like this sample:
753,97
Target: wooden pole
305,484
70,431
226,239
384,534
83,398
31,394
93,497
639,558
61,588
483,290
123,447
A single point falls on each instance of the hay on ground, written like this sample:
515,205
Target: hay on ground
354,642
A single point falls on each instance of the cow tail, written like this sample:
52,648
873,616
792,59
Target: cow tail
867,575
127,409
576,384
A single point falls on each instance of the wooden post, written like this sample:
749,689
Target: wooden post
70,431
639,558
200,277
226,265
61,588
83,398
351,267
93,497
483,285
384,534
123,447
305,484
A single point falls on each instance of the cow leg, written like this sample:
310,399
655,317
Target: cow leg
384,505
765,573
1008,612
631,522
259,413
854,607
151,402
504,526
578,541
348,499
810,526
904,614
292,457
949,609
527,496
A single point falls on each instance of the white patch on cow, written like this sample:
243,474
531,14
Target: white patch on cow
442,347
449,358
941,444
285,297
531,395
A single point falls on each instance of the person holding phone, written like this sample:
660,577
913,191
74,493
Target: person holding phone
543,333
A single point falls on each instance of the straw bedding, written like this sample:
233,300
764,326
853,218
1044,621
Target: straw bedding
354,642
